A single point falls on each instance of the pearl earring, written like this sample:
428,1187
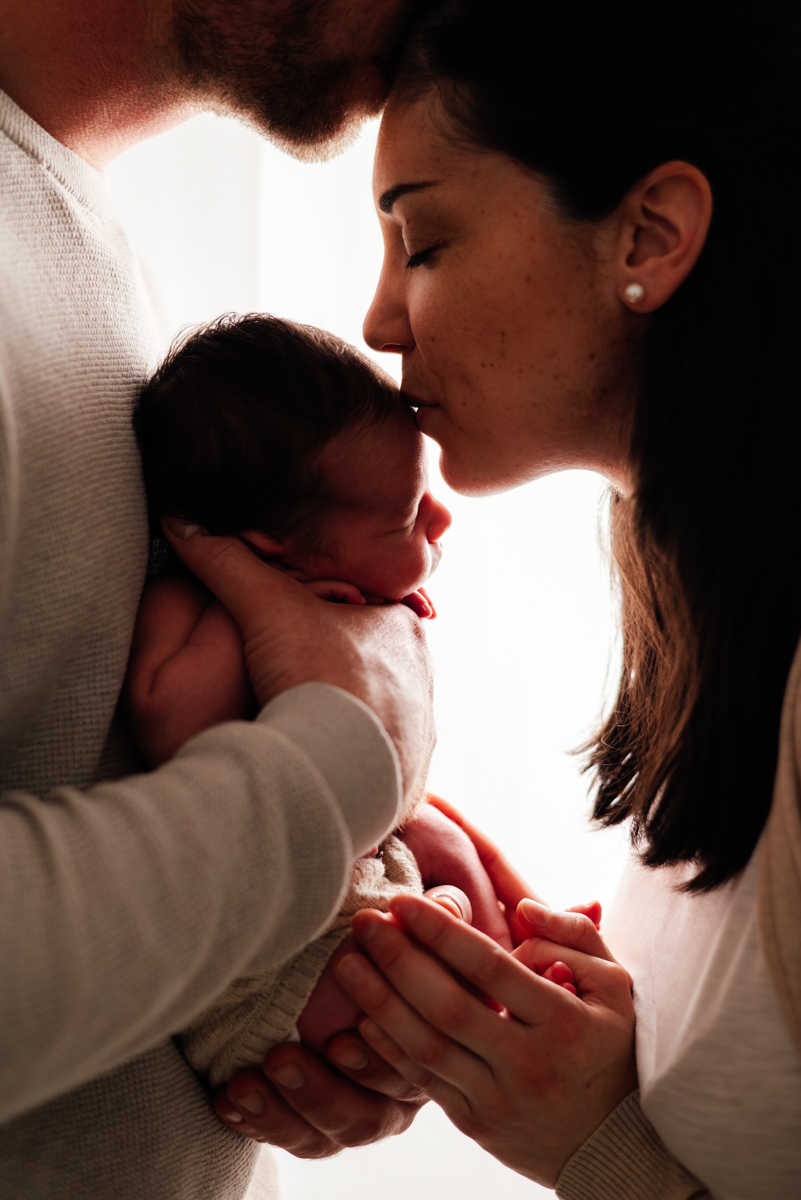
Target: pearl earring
634,293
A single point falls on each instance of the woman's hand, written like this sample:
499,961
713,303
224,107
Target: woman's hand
531,1083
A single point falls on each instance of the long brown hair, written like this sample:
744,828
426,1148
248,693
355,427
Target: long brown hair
708,549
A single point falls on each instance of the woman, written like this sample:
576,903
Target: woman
590,261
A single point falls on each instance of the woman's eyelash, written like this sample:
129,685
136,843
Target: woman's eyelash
417,260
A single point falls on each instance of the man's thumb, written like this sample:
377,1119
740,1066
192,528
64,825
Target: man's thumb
237,577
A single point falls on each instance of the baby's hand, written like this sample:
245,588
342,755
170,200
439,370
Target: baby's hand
420,604
446,855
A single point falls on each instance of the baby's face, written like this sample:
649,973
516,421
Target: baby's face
385,540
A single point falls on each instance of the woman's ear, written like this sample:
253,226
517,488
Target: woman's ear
664,224
264,542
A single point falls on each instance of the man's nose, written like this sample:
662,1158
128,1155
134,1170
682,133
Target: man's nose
439,519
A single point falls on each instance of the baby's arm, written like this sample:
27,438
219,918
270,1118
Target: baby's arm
187,669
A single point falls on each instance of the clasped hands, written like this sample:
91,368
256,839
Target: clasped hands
527,1050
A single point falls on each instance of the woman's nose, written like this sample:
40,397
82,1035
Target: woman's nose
386,326
438,519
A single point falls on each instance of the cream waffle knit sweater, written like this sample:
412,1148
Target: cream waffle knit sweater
128,902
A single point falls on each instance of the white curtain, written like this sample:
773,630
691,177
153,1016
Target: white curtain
523,642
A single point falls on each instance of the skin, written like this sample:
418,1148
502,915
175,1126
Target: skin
523,350
498,425
384,537
102,75
186,671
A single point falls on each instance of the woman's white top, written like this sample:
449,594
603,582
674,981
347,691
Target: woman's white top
720,1078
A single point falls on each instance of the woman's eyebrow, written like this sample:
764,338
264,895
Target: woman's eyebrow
389,197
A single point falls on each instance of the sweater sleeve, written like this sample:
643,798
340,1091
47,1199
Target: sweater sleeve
626,1160
129,907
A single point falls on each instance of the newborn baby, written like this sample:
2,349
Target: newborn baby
290,438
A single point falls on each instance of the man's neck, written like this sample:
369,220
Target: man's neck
96,74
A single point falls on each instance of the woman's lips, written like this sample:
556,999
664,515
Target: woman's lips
417,402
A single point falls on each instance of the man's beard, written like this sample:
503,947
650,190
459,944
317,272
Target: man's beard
279,74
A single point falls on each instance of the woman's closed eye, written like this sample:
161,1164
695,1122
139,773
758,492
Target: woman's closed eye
422,256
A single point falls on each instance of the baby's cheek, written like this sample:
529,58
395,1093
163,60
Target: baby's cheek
329,1010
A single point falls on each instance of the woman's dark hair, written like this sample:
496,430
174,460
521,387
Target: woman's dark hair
593,96
230,425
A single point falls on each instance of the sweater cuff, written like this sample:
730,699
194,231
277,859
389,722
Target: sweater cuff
626,1160
348,745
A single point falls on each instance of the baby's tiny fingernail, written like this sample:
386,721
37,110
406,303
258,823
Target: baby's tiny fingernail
447,902
252,1103
288,1075
180,529
234,1117
351,1057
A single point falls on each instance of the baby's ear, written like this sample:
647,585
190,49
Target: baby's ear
263,542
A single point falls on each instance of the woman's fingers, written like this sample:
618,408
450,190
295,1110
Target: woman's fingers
416,1049
572,929
431,989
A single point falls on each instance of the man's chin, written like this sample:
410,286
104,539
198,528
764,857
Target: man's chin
326,137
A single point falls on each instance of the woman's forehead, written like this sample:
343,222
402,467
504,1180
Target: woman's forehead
415,147
412,139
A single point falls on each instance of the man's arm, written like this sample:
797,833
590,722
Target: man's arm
128,908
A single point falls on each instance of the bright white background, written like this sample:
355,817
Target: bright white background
523,642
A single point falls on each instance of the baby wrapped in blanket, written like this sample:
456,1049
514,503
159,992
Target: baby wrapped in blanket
291,439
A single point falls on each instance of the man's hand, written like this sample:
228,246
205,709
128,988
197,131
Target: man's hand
305,1106
291,637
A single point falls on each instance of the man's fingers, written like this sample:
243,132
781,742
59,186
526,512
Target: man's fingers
345,1112
240,580
249,1105
360,1063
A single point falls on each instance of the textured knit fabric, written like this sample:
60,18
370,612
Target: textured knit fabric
254,1014
128,902
625,1160
626,1147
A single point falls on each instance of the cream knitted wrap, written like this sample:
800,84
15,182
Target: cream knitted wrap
255,1013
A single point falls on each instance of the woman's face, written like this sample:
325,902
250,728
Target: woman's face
515,344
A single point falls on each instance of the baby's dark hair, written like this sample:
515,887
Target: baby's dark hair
231,424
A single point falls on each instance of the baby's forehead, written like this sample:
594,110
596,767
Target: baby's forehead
378,464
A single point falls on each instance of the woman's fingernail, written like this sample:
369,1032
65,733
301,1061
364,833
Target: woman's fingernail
533,910
289,1075
351,968
351,1057
178,528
